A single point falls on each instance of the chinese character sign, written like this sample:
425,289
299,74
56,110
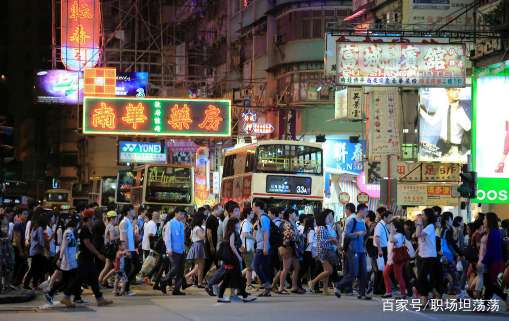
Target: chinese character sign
156,117
401,64
342,156
382,126
80,33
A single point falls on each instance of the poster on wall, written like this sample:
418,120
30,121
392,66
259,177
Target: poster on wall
418,194
444,125
491,133
382,125
401,64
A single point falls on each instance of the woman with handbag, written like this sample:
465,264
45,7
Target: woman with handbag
111,237
397,256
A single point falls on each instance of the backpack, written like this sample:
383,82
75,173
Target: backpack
275,235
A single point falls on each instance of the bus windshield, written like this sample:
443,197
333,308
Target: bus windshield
289,159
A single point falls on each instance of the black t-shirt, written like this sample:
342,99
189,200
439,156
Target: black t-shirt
98,235
212,224
85,254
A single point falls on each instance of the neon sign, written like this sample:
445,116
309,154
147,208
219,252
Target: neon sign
81,33
251,125
156,117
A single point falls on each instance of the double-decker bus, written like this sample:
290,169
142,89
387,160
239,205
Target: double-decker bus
282,173
163,186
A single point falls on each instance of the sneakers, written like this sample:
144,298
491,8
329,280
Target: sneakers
248,299
363,297
224,300
81,301
131,293
48,298
337,293
178,293
67,302
387,296
102,302
209,291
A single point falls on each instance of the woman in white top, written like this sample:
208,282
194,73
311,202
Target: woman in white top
394,263
197,250
426,236
308,266
248,241
111,237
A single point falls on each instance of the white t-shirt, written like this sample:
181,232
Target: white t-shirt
194,234
311,243
247,228
383,233
399,241
150,228
427,242
52,245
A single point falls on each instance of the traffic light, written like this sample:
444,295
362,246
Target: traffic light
467,188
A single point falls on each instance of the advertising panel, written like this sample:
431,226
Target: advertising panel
428,172
342,156
125,182
418,194
58,87
156,116
169,185
80,33
349,103
401,64
491,133
288,185
382,125
141,152
444,125
108,190
132,84
422,13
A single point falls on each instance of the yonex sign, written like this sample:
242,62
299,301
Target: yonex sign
141,152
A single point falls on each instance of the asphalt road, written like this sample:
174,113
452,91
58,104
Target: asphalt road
149,305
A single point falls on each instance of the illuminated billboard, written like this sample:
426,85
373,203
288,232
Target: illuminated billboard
491,133
59,87
400,64
132,84
80,33
444,125
156,117
141,152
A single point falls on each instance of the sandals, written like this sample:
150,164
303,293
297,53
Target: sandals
265,294
283,292
298,291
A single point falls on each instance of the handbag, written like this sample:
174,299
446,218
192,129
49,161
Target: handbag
400,255
225,253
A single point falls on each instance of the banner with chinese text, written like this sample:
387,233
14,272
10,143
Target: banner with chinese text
156,117
428,172
418,194
400,64
382,125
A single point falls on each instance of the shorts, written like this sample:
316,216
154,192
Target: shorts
248,259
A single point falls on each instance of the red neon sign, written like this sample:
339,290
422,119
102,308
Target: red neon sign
80,33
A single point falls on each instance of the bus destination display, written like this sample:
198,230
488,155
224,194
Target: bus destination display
288,185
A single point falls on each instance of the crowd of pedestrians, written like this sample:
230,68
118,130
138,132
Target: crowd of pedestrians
232,253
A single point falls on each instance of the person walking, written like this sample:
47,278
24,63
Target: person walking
127,235
197,251
355,231
248,243
493,260
232,263
86,259
175,249
288,252
211,227
111,240
427,251
262,259
397,257
349,213
37,253
381,242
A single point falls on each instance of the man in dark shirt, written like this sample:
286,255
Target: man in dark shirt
211,225
86,259
18,243
98,236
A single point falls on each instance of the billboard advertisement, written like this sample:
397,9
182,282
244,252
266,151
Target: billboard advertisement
125,183
444,125
491,133
401,64
132,84
156,116
141,152
59,87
